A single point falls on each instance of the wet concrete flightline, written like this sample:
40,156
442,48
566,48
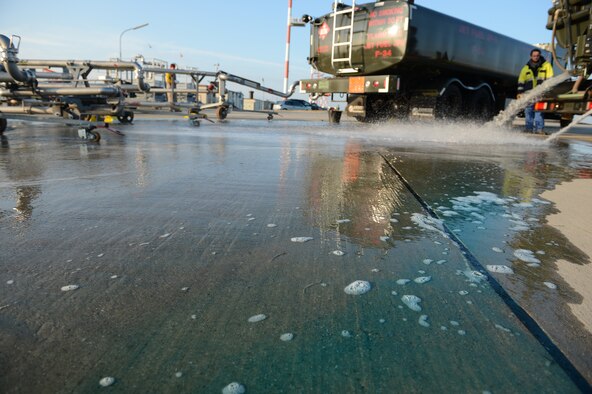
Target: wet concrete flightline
176,239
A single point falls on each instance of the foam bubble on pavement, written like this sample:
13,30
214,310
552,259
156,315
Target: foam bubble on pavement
422,279
479,217
70,287
412,302
384,238
403,282
428,261
550,285
234,388
287,337
500,327
539,201
475,276
463,292
423,321
346,334
257,318
338,253
357,287
393,220
440,262
497,250
107,381
429,223
165,235
526,256
271,225
301,239
342,221
500,269
524,205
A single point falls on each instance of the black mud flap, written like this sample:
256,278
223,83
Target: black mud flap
356,106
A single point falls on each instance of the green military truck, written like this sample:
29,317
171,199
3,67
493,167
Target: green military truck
394,58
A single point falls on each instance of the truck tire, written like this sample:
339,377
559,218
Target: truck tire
3,124
450,104
377,109
481,105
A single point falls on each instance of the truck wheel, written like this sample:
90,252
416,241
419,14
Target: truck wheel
222,113
126,118
377,109
3,124
481,107
449,105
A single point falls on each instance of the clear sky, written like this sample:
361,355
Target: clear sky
247,38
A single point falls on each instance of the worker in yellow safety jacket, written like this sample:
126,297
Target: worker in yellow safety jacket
535,72
171,84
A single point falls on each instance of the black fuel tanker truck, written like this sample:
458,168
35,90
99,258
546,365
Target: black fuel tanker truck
394,58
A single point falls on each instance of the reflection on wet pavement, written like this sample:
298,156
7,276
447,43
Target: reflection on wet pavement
179,239
494,208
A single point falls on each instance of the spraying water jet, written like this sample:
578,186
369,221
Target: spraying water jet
530,97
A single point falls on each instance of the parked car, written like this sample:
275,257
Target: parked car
293,104
316,107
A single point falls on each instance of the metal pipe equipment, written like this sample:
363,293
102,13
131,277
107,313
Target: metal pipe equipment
111,91
89,65
32,88
10,61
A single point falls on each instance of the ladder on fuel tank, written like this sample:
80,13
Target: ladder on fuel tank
337,58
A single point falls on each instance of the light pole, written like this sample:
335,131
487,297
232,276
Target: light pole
291,22
126,30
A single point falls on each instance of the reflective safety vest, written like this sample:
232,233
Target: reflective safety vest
170,79
527,79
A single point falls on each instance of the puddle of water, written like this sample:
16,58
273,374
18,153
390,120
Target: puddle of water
493,205
175,254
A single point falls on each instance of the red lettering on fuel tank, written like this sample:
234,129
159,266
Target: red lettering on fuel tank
391,11
376,22
324,30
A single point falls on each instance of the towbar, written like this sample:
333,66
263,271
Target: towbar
256,85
